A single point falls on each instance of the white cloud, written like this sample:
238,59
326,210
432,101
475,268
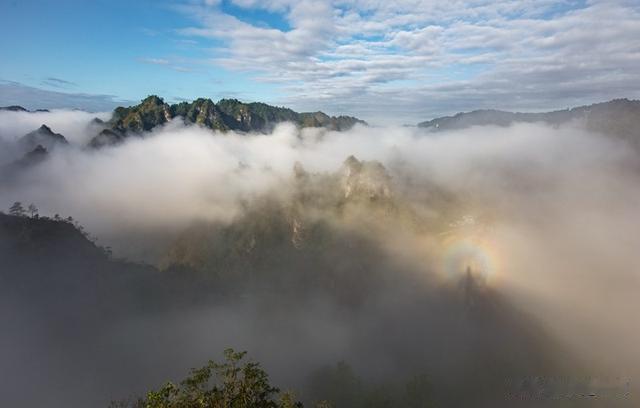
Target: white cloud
154,61
74,125
565,224
426,57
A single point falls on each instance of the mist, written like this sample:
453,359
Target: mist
545,215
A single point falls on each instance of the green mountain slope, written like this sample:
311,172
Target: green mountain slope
618,118
227,114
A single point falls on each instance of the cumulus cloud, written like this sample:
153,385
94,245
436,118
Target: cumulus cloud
419,59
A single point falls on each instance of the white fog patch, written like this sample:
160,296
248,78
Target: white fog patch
74,125
562,202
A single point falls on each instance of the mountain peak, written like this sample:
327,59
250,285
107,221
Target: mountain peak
227,114
42,137
45,128
365,179
154,100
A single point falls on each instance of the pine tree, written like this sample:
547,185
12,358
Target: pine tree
17,209
33,210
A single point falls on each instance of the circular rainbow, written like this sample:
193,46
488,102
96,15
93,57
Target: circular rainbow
474,253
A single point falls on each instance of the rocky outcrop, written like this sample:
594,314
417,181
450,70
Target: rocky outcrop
106,137
366,180
44,137
227,114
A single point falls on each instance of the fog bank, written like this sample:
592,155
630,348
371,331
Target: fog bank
547,215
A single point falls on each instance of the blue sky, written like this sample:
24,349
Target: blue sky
401,61
110,48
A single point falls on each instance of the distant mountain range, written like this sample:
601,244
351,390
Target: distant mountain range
504,118
16,108
619,118
227,114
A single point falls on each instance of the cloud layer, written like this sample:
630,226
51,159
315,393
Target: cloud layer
412,60
16,93
556,209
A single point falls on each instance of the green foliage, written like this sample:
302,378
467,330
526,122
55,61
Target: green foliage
232,384
205,113
180,109
227,114
152,111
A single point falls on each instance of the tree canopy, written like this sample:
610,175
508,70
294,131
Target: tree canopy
231,384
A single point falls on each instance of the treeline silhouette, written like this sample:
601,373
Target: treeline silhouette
17,209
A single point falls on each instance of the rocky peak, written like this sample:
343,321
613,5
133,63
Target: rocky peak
153,100
42,137
351,166
227,114
365,179
106,137
204,112
151,112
